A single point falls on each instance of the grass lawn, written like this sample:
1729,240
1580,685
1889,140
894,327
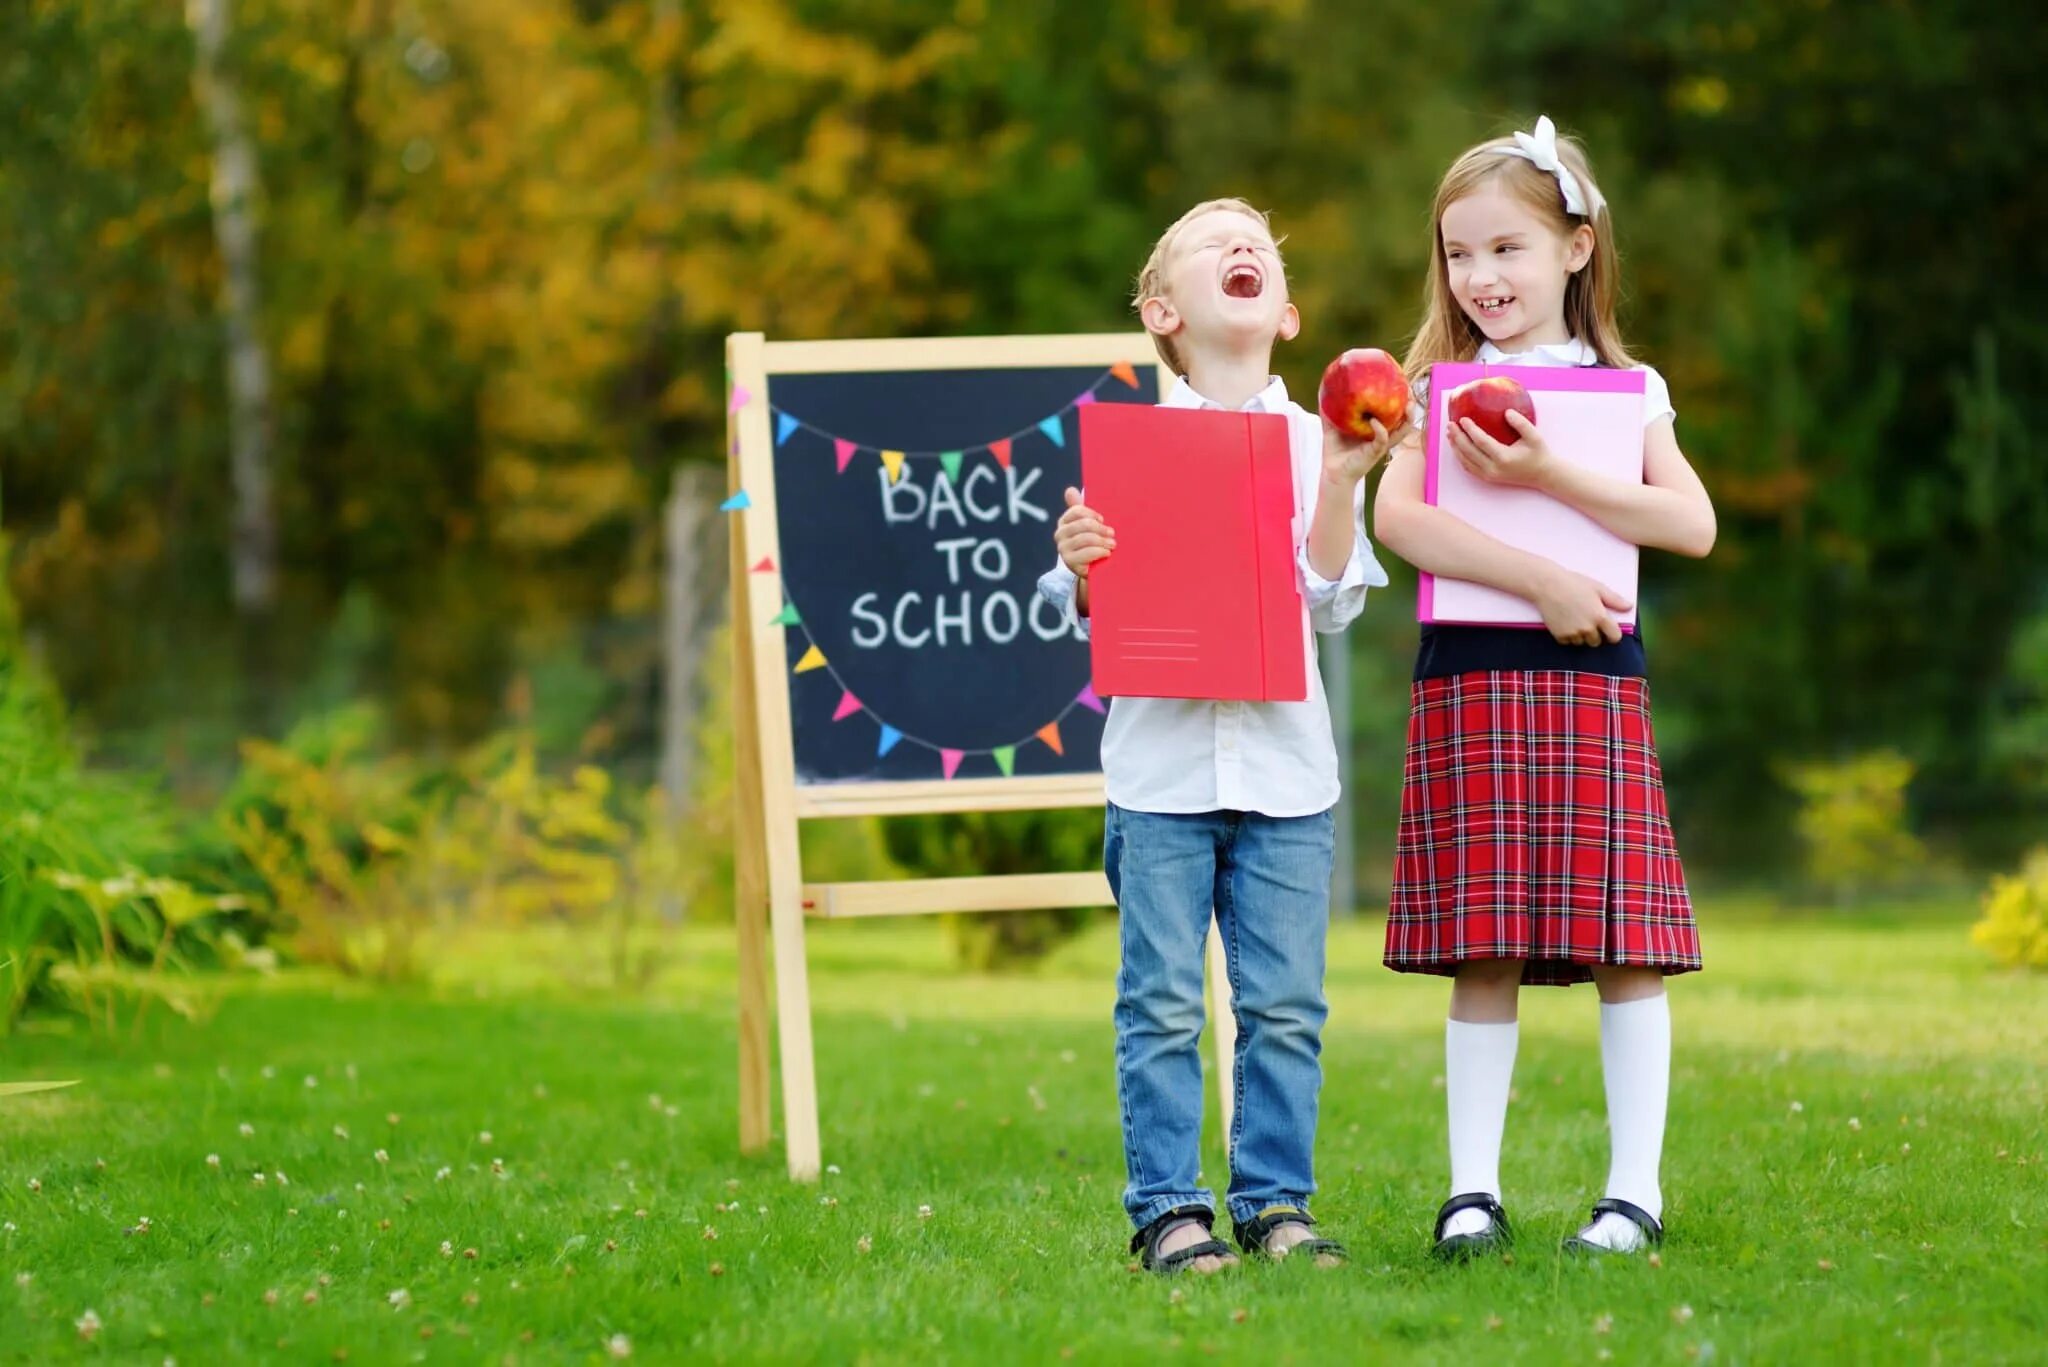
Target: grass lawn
1857,1170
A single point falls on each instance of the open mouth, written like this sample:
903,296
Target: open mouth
1243,281
1493,306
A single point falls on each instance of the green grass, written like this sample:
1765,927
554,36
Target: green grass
1810,1056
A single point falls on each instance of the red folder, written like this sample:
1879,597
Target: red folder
1201,598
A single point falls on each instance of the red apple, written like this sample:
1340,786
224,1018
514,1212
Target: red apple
1362,384
1488,402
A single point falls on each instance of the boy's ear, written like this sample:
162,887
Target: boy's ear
1290,323
1580,250
1160,317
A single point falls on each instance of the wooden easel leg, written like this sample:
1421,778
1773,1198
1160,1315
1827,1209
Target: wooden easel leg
1223,1029
751,916
793,1019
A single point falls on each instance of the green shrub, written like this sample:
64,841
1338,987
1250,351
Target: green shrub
2014,929
1853,822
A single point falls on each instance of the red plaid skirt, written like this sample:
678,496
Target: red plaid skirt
1533,827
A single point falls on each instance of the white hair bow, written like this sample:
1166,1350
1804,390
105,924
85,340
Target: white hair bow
1540,147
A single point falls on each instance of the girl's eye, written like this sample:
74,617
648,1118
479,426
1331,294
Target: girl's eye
1510,247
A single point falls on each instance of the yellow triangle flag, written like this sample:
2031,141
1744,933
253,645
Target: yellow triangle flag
1126,372
814,658
894,460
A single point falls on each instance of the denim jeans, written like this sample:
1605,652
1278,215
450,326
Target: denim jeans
1267,882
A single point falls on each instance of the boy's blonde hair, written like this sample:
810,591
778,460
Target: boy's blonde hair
1447,334
1152,279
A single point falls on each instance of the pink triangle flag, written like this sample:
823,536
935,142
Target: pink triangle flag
951,760
1086,697
1087,396
843,449
739,398
848,705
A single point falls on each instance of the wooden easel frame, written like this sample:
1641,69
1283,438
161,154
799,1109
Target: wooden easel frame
771,898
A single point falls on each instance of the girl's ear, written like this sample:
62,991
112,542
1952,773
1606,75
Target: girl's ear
1579,250
1290,323
1160,317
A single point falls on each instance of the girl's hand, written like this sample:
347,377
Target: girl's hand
1528,462
1081,536
1349,459
1579,611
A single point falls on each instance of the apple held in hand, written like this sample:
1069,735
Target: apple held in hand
1362,384
1488,402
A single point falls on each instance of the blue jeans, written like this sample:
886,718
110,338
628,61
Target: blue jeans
1267,882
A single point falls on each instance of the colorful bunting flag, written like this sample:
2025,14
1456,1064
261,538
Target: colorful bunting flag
949,760
736,502
1086,397
892,461
786,618
890,735
739,399
1001,451
1006,759
1086,697
784,425
814,658
843,450
1050,734
1054,432
766,565
951,461
848,705
1126,372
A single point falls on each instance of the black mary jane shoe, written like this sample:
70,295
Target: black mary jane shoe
1145,1243
1253,1233
1458,1248
1653,1232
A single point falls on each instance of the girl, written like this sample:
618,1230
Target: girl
1534,844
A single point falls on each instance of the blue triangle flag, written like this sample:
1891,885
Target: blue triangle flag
736,502
784,425
890,735
1053,431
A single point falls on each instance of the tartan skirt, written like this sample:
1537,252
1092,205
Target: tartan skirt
1533,827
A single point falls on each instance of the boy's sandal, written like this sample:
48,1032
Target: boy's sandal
1653,1232
1496,1237
1145,1243
1253,1233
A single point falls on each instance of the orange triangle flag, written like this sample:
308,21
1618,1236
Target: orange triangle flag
1126,372
1050,734
814,658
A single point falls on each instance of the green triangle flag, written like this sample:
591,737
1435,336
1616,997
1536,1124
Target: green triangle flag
787,617
951,460
1006,759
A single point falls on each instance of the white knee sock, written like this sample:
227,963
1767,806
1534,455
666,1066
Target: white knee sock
1479,1067
1635,1057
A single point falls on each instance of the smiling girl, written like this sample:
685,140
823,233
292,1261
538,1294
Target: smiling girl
1534,844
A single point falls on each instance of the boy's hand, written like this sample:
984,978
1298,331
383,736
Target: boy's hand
1081,537
1528,462
1348,459
1579,611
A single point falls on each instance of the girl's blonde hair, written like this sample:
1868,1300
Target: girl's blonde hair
1152,279
1447,334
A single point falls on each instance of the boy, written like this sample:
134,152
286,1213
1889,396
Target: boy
1225,807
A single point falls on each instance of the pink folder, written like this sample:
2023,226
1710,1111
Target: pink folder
1202,598
1590,416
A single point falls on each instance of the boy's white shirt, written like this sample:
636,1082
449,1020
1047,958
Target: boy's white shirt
1181,755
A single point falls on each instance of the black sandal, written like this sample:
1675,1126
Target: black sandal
1653,1232
1145,1243
1252,1235
1496,1237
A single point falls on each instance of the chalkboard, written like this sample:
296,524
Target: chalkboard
914,515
